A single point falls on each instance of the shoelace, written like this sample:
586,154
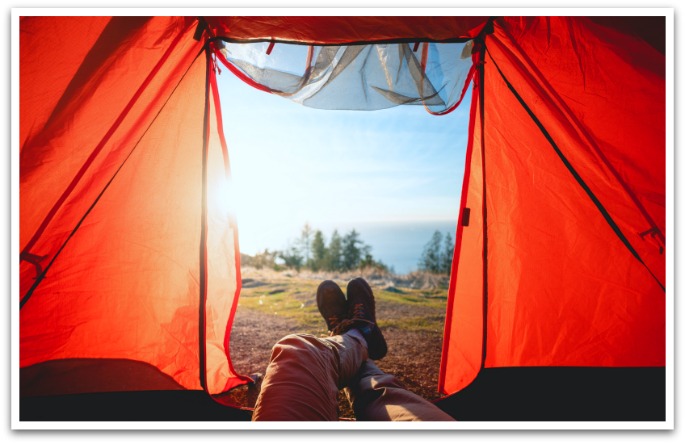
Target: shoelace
358,311
333,320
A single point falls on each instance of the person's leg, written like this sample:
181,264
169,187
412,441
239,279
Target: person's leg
375,395
378,396
305,374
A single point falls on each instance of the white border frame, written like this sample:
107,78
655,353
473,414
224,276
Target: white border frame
669,424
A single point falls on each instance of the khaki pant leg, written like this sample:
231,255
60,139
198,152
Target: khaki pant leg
378,396
304,376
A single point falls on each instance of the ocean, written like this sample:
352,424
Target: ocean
398,244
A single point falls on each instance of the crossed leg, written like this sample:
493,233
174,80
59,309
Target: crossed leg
305,374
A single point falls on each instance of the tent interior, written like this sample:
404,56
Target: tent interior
129,272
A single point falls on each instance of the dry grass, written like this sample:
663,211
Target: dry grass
410,310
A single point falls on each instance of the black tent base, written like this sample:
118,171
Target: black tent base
562,394
153,405
497,394
116,390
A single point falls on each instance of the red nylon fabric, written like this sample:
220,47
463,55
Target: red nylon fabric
230,243
126,285
223,255
462,346
89,119
121,289
617,129
345,30
563,290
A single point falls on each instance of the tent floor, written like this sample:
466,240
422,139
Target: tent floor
498,394
153,405
562,394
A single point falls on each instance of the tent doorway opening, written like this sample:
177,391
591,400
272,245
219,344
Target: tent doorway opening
334,194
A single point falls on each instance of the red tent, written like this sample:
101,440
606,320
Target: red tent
128,265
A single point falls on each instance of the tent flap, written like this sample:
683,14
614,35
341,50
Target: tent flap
111,200
566,167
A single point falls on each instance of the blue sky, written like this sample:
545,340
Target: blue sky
292,164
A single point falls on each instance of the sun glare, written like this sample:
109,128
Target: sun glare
221,198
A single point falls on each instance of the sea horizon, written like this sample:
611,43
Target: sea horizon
398,244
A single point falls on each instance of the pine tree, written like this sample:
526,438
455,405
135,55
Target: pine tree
304,243
431,257
447,253
351,250
333,260
318,252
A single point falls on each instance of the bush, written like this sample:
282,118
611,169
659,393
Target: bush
265,259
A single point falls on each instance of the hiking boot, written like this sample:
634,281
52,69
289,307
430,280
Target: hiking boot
362,314
332,304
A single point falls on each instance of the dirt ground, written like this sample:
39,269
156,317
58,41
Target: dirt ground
413,355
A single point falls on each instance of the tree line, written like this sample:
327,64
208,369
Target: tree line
311,250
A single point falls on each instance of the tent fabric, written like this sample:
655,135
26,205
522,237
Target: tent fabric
346,30
128,247
123,135
58,111
561,287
